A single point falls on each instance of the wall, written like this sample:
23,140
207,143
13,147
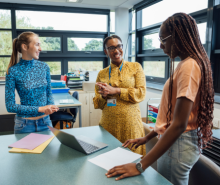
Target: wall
121,27
2,100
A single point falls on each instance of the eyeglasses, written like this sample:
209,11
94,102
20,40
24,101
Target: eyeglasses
163,40
118,47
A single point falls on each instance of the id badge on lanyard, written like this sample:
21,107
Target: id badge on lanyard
112,101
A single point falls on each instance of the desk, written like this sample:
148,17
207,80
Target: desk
59,164
62,96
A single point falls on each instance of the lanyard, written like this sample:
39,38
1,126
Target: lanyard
110,69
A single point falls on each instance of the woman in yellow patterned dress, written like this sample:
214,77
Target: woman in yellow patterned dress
119,89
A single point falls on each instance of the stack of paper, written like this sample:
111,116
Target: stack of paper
32,143
116,157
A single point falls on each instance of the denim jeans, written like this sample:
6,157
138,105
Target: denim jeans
27,126
176,163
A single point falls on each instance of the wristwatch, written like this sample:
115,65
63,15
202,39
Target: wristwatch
139,167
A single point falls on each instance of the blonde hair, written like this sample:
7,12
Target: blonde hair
23,38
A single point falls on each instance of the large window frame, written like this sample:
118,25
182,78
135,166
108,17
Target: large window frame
206,15
64,54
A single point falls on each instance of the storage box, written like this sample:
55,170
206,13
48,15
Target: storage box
153,114
61,90
58,84
152,119
153,108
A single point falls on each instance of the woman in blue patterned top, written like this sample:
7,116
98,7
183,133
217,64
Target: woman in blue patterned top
31,79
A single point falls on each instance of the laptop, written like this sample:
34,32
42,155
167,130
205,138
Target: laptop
79,143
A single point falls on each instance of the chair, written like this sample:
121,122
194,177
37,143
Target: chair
204,172
64,115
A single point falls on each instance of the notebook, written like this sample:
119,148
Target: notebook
37,150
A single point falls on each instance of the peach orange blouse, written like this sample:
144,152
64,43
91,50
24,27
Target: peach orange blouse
186,83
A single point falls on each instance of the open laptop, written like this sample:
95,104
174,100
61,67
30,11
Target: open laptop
79,143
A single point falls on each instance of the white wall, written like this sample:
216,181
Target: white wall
2,100
121,27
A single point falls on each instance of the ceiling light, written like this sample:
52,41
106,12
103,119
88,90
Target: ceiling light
74,1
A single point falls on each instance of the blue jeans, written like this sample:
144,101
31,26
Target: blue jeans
176,163
27,126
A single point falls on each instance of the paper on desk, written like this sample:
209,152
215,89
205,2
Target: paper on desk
118,156
31,141
37,150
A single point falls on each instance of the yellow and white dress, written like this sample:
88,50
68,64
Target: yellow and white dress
124,120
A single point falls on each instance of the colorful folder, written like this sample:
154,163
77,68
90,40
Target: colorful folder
37,150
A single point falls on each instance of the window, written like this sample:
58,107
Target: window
149,17
4,61
5,18
112,21
133,20
71,37
5,43
202,31
154,69
133,44
85,66
151,41
176,64
50,43
85,44
55,68
61,21
133,59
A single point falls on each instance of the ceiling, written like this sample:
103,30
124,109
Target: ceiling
100,4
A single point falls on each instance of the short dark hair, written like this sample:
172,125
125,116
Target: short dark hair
110,37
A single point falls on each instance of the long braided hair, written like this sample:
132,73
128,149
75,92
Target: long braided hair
184,28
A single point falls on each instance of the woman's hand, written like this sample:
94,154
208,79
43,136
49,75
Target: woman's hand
105,89
48,109
135,142
127,170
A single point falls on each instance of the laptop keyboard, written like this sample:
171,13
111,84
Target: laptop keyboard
88,147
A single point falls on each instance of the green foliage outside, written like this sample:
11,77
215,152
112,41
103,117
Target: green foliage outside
50,43
4,61
148,43
5,42
71,45
85,66
5,19
93,45
47,43
55,68
153,68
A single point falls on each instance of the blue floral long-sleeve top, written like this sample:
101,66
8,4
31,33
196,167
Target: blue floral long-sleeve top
32,81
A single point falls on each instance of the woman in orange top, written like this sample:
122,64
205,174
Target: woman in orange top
184,120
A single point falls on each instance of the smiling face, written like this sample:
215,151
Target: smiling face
115,55
32,51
